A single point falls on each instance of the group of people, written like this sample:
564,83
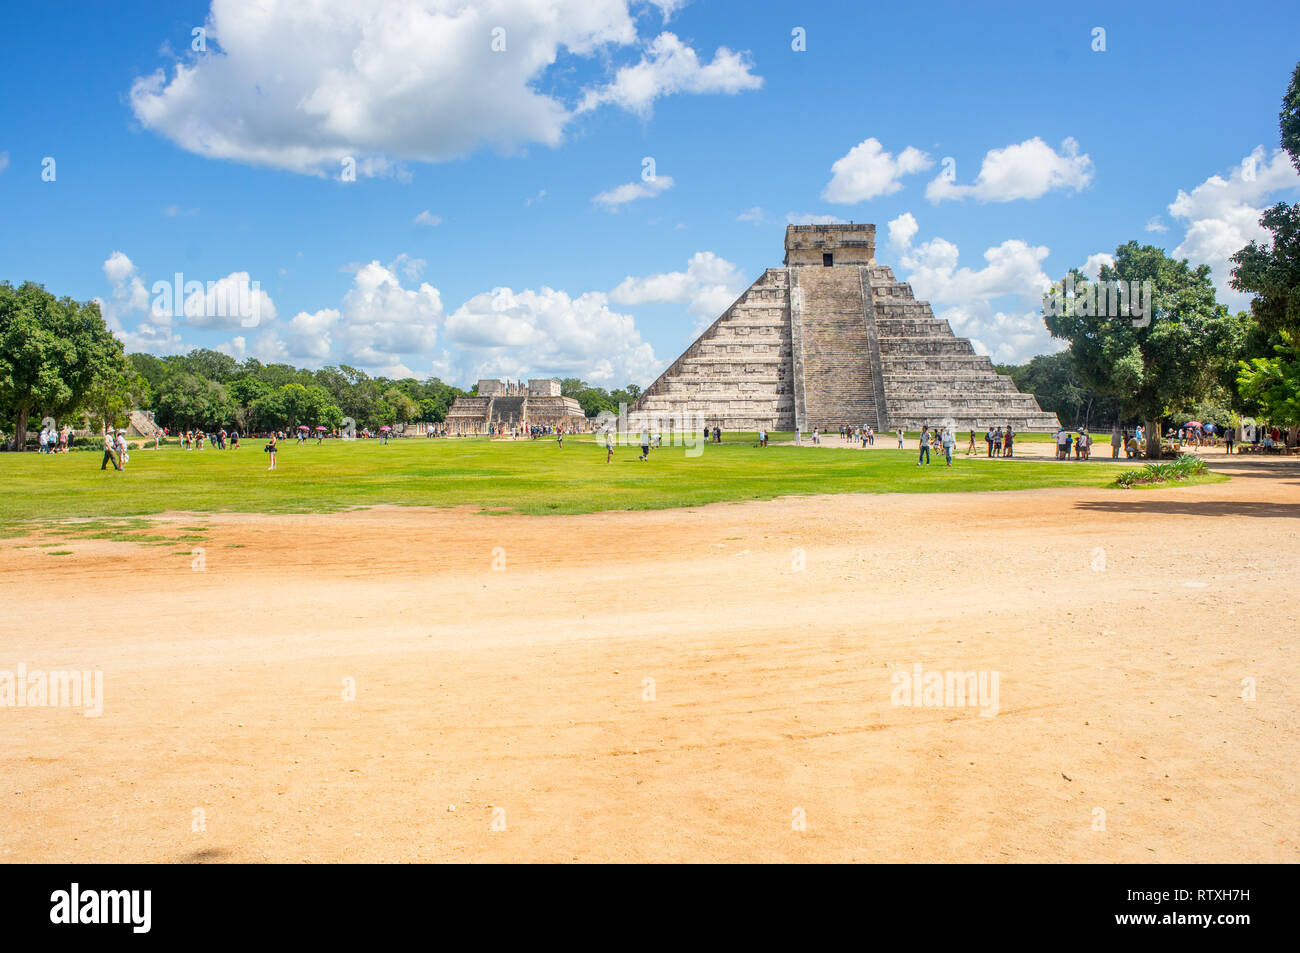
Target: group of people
1077,442
998,442
866,434
194,439
940,440
55,440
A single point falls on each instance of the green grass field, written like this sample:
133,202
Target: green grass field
525,476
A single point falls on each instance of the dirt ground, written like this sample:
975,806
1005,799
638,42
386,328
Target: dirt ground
712,684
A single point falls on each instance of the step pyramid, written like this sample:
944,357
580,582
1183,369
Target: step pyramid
831,339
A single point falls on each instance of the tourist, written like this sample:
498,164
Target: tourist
988,442
270,448
234,440
1229,434
1062,441
1008,441
609,446
762,437
1069,444
949,441
925,445
122,456
109,452
817,437
645,444
559,438
1115,442
997,441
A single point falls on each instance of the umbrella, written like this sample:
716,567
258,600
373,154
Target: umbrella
322,428
1193,423
303,427
385,427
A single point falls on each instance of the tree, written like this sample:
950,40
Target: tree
1272,384
188,400
1271,272
52,352
404,409
1173,357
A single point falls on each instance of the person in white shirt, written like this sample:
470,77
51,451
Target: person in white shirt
122,455
109,452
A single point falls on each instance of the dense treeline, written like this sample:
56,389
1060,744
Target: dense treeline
206,389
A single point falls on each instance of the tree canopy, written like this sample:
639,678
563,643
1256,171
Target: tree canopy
1271,271
56,357
1188,345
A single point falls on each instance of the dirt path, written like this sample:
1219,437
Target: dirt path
1120,627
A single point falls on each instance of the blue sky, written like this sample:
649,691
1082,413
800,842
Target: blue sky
231,170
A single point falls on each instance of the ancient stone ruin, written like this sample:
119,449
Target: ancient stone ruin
831,339
515,404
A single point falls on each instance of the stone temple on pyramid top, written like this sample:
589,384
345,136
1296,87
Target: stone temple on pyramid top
833,339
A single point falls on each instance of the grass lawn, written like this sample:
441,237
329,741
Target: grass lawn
522,476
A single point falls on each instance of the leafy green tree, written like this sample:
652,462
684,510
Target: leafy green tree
52,353
1272,384
210,365
404,409
1152,367
188,401
1271,271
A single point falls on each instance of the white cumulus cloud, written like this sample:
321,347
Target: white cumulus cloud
1026,170
707,287
615,198
670,66
503,333
306,86
1221,215
868,171
902,230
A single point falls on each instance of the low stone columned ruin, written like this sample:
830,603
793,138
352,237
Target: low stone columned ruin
515,404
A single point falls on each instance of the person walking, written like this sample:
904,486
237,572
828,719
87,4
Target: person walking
1229,437
609,446
109,452
949,441
925,446
270,448
645,444
123,458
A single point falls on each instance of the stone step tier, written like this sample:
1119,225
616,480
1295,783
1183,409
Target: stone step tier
736,375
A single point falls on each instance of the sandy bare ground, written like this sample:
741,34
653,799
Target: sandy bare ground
1121,626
